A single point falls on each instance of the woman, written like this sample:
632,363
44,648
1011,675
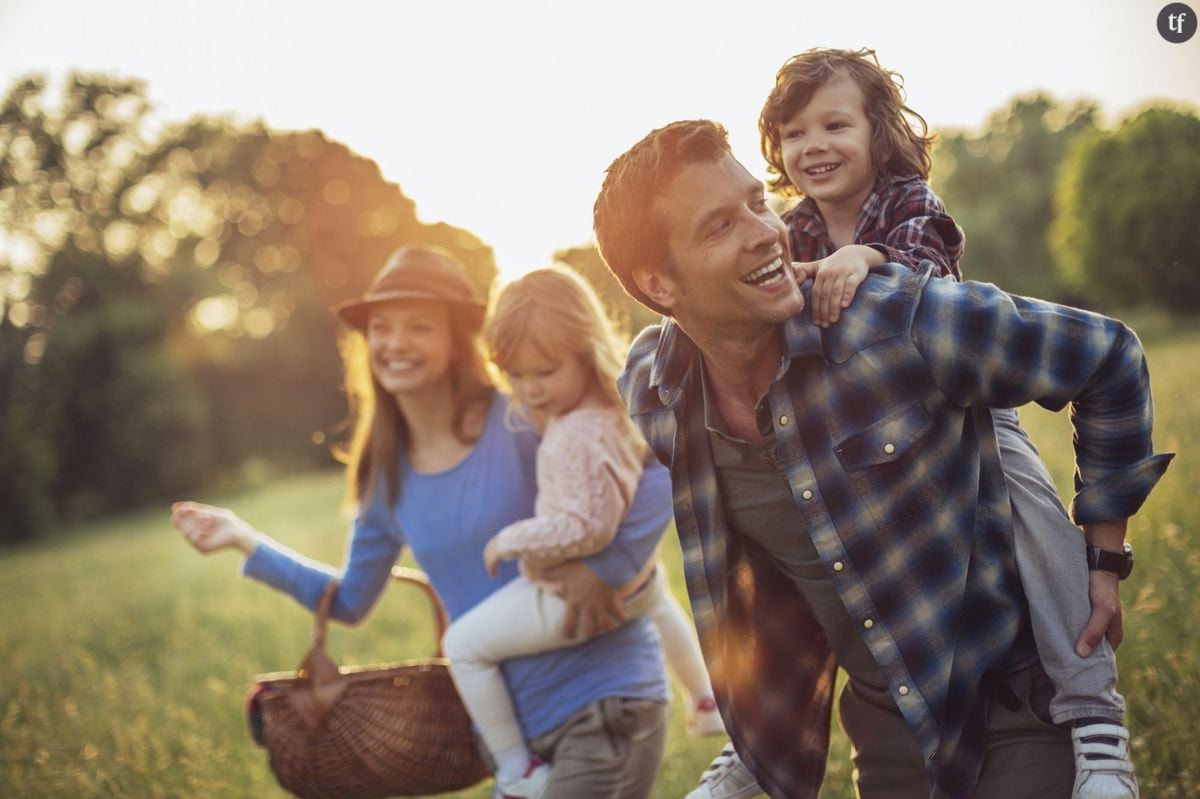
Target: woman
433,466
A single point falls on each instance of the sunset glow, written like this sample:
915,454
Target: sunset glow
501,117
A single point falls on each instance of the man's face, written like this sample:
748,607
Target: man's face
730,266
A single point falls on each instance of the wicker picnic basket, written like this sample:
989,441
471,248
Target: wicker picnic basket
361,732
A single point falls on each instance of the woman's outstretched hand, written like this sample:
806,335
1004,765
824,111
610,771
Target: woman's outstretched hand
211,529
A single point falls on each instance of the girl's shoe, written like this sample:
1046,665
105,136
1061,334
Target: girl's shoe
532,785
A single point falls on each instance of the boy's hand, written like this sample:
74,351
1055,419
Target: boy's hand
491,555
836,278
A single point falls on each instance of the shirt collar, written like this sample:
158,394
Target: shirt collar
814,224
677,358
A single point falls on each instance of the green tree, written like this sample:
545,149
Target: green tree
83,389
624,310
1127,208
164,295
998,184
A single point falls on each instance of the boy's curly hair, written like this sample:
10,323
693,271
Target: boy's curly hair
900,139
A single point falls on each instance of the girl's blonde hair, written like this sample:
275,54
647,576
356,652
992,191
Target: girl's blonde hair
557,313
380,429
900,140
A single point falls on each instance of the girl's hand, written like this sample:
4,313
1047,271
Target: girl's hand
211,529
837,278
491,556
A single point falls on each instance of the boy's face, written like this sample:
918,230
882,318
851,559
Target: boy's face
827,148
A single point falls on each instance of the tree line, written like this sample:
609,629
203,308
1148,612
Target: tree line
164,289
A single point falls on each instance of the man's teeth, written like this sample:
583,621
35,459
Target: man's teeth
821,170
766,275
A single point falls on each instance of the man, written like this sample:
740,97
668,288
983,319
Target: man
838,491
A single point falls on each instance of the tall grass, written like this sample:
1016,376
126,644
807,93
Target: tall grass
124,656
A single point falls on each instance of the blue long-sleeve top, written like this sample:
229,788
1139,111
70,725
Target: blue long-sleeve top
447,519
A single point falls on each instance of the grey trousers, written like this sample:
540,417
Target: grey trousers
1027,755
611,749
1050,559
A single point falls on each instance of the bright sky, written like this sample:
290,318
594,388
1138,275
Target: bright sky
501,115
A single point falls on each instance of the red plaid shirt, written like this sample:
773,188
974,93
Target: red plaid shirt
902,218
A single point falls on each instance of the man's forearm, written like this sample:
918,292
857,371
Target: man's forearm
1106,535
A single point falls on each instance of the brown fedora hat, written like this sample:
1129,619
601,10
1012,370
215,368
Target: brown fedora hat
417,273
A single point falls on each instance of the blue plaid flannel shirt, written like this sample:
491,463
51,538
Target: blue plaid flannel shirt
902,218
883,431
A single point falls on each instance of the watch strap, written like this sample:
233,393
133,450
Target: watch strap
1119,563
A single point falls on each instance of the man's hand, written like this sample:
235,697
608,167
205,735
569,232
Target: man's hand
592,607
1104,590
837,278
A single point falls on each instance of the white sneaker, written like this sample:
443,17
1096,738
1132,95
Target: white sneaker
1110,774
726,778
533,785
706,719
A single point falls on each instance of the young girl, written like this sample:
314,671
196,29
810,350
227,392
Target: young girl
434,467
836,132
550,335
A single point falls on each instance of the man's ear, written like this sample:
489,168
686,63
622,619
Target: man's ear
656,285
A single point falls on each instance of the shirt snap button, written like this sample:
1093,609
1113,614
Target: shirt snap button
889,448
807,494
837,567
903,690
783,420
869,623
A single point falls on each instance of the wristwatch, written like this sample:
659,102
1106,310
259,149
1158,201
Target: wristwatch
1119,563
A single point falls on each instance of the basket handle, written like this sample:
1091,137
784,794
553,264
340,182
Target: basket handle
402,574
321,670
418,578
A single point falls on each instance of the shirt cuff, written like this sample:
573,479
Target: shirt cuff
1120,494
283,569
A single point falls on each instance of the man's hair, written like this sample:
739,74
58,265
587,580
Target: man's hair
899,136
629,233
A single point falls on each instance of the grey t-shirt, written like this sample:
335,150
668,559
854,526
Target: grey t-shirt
759,505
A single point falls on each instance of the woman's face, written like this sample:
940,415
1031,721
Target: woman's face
409,343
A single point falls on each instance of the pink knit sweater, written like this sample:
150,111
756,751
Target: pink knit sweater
588,467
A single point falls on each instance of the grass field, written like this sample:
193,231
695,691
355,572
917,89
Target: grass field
124,656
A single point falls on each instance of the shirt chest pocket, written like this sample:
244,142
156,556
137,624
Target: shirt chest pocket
884,463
